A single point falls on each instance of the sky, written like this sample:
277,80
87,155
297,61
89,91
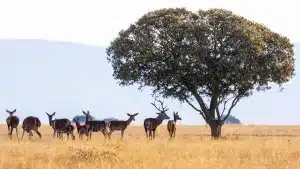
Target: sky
96,22
36,84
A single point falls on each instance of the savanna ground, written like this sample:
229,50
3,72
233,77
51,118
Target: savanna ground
243,147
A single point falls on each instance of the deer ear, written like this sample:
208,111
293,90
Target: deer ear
128,114
83,112
14,111
136,114
47,114
53,113
88,112
158,113
7,111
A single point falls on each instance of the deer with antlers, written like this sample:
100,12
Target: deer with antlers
12,123
150,124
171,126
57,124
96,125
31,123
121,125
82,129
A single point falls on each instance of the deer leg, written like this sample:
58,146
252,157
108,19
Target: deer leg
104,134
153,136
38,133
54,132
90,133
170,134
10,132
109,135
17,134
29,135
23,134
68,136
150,134
122,134
174,133
8,129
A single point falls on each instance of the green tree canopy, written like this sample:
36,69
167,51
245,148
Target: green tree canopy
212,56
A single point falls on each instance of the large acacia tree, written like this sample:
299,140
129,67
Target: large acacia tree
214,57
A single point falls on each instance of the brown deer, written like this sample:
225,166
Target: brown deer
82,129
57,124
172,125
150,124
31,123
96,125
12,122
68,129
116,125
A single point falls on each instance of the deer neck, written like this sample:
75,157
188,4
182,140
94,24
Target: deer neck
78,125
159,119
51,122
175,120
128,121
86,119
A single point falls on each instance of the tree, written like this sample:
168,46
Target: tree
214,57
231,120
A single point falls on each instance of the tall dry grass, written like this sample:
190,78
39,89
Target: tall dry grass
269,147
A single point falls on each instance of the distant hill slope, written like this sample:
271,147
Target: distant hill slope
81,118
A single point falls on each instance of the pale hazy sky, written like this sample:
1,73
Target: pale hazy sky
34,80
97,22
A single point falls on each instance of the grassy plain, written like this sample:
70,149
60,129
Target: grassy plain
259,147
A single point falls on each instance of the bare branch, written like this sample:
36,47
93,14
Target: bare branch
202,104
234,102
194,107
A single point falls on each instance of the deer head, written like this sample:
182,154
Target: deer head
50,117
176,116
87,115
131,116
11,112
162,110
86,112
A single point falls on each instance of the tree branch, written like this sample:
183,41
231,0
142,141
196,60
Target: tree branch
202,104
234,102
201,112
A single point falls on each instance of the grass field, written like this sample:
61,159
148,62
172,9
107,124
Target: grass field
255,147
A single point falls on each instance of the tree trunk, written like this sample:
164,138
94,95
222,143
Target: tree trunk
215,128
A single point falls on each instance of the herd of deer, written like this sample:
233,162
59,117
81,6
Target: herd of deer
61,126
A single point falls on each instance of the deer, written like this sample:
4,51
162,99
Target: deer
68,129
122,125
96,125
57,124
82,129
171,126
31,123
150,124
12,123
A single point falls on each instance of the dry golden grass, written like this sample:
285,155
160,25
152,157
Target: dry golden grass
189,150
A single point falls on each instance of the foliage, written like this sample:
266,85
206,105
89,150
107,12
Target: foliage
212,56
82,118
232,120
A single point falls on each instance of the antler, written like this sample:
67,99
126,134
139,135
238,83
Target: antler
162,109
